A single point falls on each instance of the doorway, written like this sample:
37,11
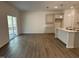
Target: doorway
12,26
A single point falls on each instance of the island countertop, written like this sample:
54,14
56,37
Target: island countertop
67,30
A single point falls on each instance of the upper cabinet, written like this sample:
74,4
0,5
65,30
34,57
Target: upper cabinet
49,19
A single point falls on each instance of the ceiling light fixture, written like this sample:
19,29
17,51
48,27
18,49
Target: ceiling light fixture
69,14
55,6
71,7
61,16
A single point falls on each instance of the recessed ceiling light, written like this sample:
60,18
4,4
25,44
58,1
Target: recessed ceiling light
69,14
55,6
72,7
61,16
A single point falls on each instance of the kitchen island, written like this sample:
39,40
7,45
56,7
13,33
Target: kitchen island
69,37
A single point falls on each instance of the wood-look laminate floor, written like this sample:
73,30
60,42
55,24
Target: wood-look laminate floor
37,46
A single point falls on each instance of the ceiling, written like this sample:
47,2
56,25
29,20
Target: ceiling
43,5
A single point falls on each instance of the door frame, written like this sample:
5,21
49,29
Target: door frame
12,23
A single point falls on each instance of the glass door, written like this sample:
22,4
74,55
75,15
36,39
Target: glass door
12,26
15,26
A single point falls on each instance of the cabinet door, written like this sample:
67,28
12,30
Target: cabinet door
49,19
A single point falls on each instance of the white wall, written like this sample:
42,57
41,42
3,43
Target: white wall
5,9
34,22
